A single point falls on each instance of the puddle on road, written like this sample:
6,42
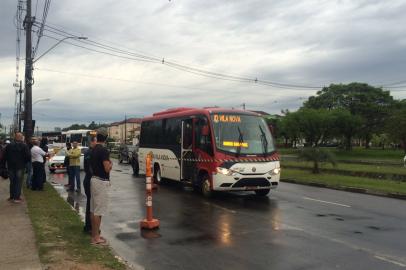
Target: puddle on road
127,236
150,234
374,228
201,239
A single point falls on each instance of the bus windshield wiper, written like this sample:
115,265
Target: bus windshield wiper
240,141
264,141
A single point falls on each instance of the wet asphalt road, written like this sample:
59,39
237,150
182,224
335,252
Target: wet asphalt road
295,227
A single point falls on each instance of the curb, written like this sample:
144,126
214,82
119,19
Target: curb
349,189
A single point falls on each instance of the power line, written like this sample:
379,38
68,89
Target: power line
185,68
124,53
98,51
43,20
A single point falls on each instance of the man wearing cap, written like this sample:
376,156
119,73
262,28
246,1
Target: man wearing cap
100,165
74,167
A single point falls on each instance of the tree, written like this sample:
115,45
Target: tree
380,140
289,128
93,125
396,125
315,125
75,127
317,156
346,126
372,104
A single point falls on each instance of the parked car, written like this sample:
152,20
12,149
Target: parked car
56,163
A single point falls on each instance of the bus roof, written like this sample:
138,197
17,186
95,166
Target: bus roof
185,111
78,131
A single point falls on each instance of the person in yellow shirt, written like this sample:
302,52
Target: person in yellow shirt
74,167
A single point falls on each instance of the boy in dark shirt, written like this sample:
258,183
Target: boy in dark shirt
100,165
86,184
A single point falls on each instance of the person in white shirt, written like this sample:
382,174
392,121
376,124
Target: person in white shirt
37,158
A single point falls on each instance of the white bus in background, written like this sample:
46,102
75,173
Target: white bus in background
82,136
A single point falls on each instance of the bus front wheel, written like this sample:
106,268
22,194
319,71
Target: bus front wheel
262,192
206,190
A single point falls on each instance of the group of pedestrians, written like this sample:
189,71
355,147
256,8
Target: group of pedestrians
19,160
18,157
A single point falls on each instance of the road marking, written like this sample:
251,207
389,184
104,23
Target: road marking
339,204
221,207
390,261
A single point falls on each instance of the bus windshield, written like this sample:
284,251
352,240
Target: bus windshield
242,134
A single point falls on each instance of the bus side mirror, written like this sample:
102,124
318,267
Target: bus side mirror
205,130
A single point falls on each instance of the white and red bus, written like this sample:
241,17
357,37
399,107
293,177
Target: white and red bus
212,148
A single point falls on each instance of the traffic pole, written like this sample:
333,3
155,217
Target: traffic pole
149,222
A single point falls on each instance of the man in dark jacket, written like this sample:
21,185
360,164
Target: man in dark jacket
86,184
16,156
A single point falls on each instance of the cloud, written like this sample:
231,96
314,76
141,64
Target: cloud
309,42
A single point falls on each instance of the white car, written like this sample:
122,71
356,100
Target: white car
56,163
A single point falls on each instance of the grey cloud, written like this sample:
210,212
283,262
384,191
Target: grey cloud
308,42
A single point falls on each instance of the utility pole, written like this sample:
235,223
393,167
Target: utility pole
243,106
125,129
19,107
28,21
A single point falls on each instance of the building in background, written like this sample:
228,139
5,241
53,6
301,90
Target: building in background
125,131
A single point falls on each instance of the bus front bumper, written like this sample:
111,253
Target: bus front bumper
240,182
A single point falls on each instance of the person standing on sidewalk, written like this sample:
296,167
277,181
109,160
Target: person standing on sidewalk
16,156
37,159
28,168
66,165
44,146
86,184
101,165
74,167
3,170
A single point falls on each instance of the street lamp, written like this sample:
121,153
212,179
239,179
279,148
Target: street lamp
40,100
28,72
56,44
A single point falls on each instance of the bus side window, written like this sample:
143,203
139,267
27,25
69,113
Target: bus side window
203,140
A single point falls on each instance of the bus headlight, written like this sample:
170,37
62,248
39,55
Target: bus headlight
275,171
224,171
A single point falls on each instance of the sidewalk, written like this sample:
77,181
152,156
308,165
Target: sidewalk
17,245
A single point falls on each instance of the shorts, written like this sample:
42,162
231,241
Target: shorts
99,196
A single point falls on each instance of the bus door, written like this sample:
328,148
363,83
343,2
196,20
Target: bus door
186,165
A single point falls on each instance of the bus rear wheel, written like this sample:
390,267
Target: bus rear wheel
262,192
157,175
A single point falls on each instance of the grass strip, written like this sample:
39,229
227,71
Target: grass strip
59,232
358,154
367,168
339,181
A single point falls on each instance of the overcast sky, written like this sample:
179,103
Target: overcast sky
294,42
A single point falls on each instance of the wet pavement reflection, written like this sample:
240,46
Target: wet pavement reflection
230,231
